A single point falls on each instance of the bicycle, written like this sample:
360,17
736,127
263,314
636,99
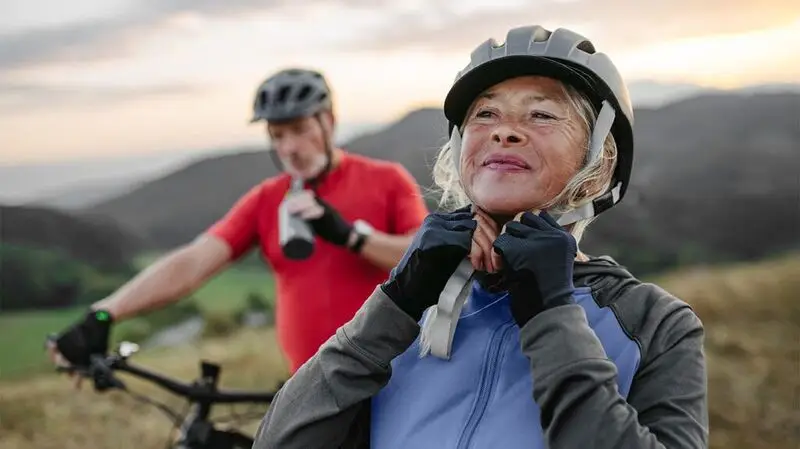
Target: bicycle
196,430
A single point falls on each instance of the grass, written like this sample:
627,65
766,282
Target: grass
22,334
751,315
227,291
750,312
48,413
22,337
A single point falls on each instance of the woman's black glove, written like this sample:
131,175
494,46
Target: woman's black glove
538,258
440,244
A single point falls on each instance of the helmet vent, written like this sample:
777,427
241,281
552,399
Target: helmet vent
283,92
540,34
587,47
304,91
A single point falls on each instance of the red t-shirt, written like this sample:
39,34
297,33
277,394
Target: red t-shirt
317,295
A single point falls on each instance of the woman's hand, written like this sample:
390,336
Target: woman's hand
538,256
440,244
482,255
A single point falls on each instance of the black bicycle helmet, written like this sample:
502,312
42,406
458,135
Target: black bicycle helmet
291,93
571,58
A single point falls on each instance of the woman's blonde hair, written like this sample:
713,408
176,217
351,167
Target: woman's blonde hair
589,183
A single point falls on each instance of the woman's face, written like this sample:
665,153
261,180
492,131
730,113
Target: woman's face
522,142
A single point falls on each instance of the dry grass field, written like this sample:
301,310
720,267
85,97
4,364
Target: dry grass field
751,313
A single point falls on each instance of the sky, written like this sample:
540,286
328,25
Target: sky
89,78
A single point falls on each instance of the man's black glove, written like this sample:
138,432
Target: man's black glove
331,226
538,258
440,244
86,337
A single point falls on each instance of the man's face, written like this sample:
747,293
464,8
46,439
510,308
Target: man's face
300,144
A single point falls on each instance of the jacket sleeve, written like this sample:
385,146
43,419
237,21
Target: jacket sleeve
575,384
318,405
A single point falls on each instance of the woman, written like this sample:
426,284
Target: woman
553,348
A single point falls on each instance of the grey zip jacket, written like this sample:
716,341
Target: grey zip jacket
622,368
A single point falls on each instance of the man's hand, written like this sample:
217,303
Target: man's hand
304,204
441,243
76,344
323,218
538,256
61,362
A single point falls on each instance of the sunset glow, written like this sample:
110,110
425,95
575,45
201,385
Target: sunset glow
188,83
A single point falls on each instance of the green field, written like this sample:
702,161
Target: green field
228,290
22,338
22,334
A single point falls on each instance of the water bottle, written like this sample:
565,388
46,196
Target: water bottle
296,237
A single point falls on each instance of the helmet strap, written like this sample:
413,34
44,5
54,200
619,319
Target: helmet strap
455,149
602,128
316,180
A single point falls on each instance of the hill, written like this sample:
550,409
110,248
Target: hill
83,195
752,320
714,180
173,209
97,241
708,169
750,347
413,141
22,184
50,259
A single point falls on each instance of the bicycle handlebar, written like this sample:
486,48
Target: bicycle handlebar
193,392
196,431
101,371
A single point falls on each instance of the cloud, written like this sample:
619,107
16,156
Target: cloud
115,37
17,97
166,8
443,25
103,39
617,23
68,43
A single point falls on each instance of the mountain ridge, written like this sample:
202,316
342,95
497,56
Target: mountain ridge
696,159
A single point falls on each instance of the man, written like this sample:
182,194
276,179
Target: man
362,211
